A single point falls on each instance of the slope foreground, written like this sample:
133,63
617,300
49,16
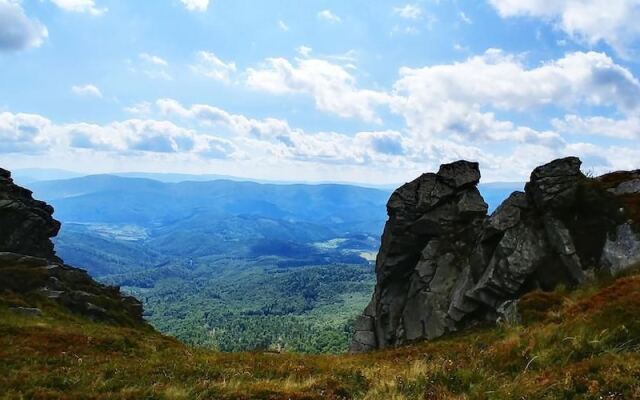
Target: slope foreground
583,344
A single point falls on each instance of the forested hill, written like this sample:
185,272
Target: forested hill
228,264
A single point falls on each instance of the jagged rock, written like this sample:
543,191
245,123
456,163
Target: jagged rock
431,221
29,266
444,265
26,225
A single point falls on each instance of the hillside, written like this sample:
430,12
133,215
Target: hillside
224,264
578,345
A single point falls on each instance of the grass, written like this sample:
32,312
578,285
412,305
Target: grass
573,345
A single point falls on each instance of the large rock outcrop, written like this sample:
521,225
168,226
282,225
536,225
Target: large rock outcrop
30,268
26,225
445,265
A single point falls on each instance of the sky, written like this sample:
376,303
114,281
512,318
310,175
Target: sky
365,91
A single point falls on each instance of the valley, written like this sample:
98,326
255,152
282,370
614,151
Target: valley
230,265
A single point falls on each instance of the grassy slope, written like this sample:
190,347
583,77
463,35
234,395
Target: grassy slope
582,345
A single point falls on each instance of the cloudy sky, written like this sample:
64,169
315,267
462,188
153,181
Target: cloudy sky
364,90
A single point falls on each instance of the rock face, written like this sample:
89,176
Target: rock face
29,266
25,224
444,265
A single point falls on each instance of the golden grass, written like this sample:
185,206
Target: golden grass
582,345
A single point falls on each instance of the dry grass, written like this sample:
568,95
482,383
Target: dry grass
582,345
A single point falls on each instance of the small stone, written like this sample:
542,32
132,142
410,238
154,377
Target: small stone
27,311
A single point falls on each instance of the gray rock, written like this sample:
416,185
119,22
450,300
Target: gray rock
444,265
27,224
460,173
27,311
508,313
628,187
621,250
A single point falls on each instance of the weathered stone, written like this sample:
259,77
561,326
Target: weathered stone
460,173
621,250
444,265
628,187
26,225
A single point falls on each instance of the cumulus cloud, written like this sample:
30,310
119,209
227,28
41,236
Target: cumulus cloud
625,128
135,135
213,67
208,115
460,98
17,30
31,133
80,6
275,138
409,11
590,21
328,16
24,133
331,85
86,90
196,5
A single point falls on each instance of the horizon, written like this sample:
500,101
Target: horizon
37,174
282,91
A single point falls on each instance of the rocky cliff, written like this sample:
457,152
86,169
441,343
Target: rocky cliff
26,225
30,268
444,265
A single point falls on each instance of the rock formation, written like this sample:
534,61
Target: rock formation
25,224
29,266
444,265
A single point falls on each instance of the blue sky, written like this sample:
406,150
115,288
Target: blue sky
361,91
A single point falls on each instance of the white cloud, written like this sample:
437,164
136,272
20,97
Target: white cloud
464,18
328,16
627,128
274,138
453,99
213,67
409,11
23,133
283,26
17,30
31,133
304,51
86,90
590,21
80,6
196,5
142,108
152,59
331,85
213,116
